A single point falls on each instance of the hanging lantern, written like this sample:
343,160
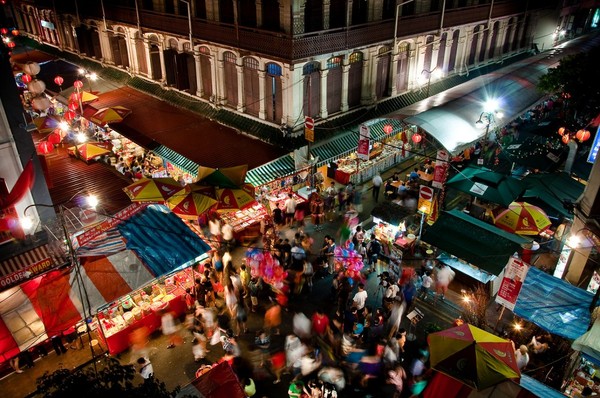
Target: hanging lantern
78,84
73,106
11,44
31,68
40,103
561,131
69,115
4,31
74,97
36,86
15,32
59,80
388,129
26,78
45,147
566,139
55,137
582,135
416,138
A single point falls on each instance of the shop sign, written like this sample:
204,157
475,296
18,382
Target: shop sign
439,175
595,146
563,259
425,199
363,142
34,269
92,233
512,282
594,283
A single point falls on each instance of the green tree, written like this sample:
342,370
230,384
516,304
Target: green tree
110,380
577,80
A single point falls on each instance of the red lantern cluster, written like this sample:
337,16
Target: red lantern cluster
582,135
59,80
388,129
416,138
78,84
69,115
45,147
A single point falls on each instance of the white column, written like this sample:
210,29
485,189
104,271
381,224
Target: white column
345,75
148,59
199,88
220,79
293,94
478,48
131,52
241,106
323,96
393,73
163,68
369,78
261,93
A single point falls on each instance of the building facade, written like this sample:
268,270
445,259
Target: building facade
276,61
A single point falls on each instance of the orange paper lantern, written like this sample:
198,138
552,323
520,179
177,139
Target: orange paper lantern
566,139
582,135
561,131
416,138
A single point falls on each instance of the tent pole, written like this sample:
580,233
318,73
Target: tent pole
499,318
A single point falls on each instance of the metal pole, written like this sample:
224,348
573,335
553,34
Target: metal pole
189,12
396,23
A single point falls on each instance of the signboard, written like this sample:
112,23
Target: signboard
441,169
363,142
26,273
309,123
47,24
309,135
425,199
594,149
512,282
563,259
92,233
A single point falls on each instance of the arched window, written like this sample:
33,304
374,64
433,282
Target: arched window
383,72
355,78
312,89
334,84
231,83
402,67
251,86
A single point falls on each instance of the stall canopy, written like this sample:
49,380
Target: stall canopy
589,343
487,185
473,240
551,191
554,305
453,123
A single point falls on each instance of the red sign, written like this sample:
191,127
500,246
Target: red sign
440,173
512,282
425,192
107,224
309,123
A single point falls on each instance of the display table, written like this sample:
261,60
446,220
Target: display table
425,177
119,341
279,199
342,177
405,242
242,219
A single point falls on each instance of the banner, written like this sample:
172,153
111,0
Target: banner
440,171
363,142
111,222
510,287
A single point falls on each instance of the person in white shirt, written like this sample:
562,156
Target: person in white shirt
426,282
214,228
227,232
146,369
360,298
522,357
377,183
290,209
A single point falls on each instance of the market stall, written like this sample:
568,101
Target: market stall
245,222
395,227
276,199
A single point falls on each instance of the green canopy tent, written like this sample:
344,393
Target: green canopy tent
552,191
487,185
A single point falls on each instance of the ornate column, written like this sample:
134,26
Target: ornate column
163,69
146,54
241,106
323,96
345,75
199,87
261,94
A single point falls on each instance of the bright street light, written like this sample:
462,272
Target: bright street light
426,76
488,116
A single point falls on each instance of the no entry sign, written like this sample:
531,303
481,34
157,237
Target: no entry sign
309,123
425,192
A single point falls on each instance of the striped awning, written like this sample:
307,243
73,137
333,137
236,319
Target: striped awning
278,168
177,160
31,258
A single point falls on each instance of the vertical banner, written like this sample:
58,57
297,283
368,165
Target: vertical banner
510,287
363,142
441,167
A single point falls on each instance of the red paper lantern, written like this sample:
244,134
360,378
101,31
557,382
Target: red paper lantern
561,131
4,31
15,32
74,97
69,115
45,147
566,139
582,135
11,44
78,84
416,138
73,106
55,137
59,80
26,78
388,129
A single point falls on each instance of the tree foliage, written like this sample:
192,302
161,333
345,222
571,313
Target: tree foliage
576,78
110,380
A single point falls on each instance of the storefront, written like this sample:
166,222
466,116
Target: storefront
396,227
477,250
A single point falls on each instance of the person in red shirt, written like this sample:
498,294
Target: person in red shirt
320,323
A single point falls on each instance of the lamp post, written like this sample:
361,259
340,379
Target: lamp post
27,223
429,73
396,23
488,116
189,15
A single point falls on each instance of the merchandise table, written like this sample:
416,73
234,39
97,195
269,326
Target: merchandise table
119,341
342,177
243,219
279,200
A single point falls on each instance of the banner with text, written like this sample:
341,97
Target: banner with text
510,287
363,142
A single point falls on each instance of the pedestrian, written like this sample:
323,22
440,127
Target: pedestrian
145,368
170,328
299,216
244,278
426,282
443,276
320,323
273,318
290,209
373,252
254,288
522,357
57,343
377,183
360,298
14,363
214,228
230,345
307,273
227,236
396,313
241,316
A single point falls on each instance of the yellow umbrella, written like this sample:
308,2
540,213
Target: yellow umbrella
235,199
46,124
91,150
112,114
87,97
152,190
190,204
522,218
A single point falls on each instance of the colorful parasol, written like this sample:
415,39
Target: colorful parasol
87,97
522,218
235,199
46,124
190,204
228,177
90,151
114,114
473,356
152,190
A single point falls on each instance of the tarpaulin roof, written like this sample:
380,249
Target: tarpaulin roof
481,244
488,185
554,305
550,191
162,240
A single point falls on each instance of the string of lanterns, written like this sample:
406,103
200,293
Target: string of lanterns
567,135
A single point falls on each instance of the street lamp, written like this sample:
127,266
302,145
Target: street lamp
27,223
396,23
488,116
189,15
426,74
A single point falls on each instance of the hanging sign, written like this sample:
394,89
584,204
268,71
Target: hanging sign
425,199
363,142
512,282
